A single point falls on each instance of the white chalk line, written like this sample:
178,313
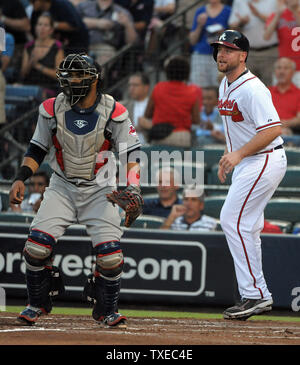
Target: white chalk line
125,332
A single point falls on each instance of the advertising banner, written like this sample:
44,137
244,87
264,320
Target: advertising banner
163,267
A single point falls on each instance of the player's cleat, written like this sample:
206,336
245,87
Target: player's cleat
247,308
114,320
30,315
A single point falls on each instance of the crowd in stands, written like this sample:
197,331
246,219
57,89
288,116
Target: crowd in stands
181,109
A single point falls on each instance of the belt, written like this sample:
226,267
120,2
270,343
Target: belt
271,150
71,182
263,48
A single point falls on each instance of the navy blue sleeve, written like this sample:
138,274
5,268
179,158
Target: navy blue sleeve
35,152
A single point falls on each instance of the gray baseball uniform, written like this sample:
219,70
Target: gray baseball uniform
80,144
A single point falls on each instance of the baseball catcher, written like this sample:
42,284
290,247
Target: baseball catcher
81,129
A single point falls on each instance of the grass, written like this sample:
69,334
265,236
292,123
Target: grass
156,314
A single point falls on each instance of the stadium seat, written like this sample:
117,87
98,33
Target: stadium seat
212,155
284,209
212,177
291,178
10,111
293,156
33,92
4,199
16,217
213,205
177,161
147,221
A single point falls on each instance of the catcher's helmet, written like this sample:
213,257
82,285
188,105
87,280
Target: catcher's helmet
77,67
232,39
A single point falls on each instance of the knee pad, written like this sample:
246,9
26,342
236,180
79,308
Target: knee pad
109,260
38,250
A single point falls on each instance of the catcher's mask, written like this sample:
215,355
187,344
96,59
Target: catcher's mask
75,74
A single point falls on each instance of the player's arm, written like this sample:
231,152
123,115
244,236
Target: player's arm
36,152
32,160
261,140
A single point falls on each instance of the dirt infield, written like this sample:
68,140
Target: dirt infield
82,330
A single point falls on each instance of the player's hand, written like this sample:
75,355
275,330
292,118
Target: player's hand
16,194
221,174
229,161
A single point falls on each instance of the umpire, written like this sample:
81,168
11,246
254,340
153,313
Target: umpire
80,129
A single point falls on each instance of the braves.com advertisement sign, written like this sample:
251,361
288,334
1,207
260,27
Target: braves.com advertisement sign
162,267
159,267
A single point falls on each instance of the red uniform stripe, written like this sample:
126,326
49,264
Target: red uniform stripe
58,153
267,125
107,254
37,243
238,225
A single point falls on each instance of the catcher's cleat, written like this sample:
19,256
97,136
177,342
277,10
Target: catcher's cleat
114,320
247,308
30,315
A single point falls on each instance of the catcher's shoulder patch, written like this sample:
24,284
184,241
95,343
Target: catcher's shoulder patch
46,109
120,113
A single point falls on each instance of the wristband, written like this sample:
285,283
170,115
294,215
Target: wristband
24,173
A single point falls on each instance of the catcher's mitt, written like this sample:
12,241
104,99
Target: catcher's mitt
130,200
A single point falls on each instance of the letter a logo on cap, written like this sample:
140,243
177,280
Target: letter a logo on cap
222,37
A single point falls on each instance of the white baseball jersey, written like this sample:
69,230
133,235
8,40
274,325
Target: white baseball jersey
246,108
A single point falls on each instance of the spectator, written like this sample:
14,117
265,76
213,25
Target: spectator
69,28
7,55
138,90
110,27
284,21
189,215
141,11
167,188
16,22
249,17
42,56
211,129
163,9
173,106
209,22
286,96
2,94
271,228
37,186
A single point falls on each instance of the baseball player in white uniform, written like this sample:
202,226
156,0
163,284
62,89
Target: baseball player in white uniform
77,128
254,150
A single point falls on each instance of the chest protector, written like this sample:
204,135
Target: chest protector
81,137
